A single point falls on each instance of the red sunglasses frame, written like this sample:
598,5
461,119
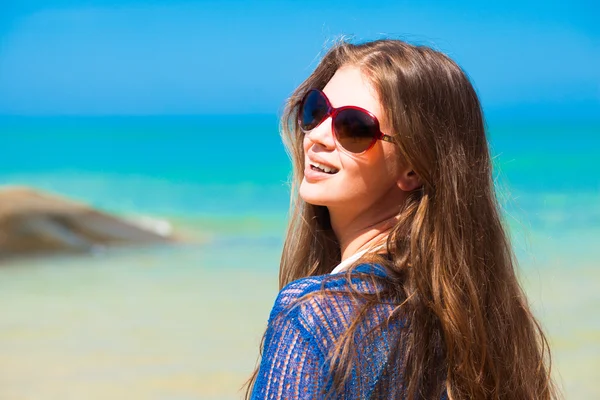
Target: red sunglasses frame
333,112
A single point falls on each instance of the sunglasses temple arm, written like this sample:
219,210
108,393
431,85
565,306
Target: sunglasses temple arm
387,138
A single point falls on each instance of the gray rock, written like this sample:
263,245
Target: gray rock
34,222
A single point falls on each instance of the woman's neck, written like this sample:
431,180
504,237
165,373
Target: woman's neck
362,233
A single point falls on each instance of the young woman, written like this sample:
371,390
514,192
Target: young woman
397,277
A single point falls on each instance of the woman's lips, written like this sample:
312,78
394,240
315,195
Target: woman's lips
314,175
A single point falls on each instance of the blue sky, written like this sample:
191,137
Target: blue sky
527,59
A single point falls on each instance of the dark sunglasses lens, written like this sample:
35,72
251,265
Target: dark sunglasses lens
355,130
313,111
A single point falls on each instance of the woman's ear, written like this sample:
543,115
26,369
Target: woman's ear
409,181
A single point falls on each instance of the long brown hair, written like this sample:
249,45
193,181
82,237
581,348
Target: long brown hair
452,268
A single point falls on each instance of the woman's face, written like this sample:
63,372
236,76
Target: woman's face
362,180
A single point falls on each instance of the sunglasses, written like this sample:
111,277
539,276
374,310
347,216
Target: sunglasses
354,128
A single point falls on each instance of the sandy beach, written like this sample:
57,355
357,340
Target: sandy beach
185,322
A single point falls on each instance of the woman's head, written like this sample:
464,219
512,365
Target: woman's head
421,98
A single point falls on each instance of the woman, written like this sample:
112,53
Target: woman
392,175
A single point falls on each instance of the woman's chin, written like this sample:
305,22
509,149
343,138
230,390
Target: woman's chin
313,195
315,201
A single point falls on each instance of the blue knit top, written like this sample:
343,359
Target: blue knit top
296,361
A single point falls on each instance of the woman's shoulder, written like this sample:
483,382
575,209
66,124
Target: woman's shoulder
339,283
328,297
324,306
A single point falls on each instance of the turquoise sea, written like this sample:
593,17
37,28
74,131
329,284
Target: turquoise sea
184,322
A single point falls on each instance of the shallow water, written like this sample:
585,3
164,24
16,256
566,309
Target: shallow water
166,324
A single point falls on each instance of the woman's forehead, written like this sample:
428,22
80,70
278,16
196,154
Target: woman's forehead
349,87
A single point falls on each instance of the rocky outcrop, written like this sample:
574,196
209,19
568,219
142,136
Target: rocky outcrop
36,222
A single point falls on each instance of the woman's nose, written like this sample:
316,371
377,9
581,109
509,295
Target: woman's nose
322,134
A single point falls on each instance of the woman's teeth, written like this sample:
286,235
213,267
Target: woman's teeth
323,168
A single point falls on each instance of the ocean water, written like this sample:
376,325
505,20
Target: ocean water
184,322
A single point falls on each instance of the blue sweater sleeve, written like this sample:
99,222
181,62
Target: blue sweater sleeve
291,360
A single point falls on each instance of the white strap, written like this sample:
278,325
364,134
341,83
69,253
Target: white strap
350,260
